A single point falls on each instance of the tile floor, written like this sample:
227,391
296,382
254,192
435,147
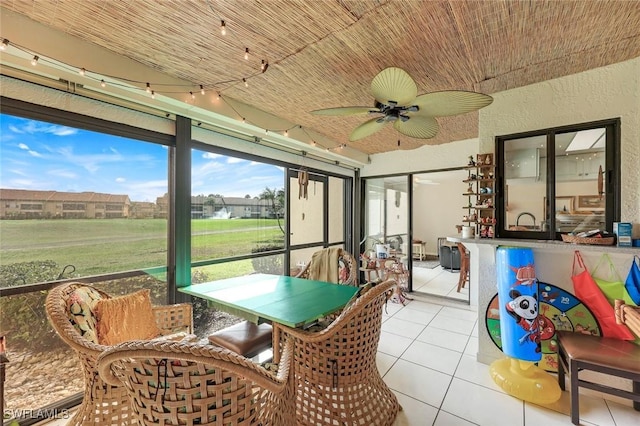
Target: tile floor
427,356
439,282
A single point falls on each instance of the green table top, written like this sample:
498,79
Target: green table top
277,298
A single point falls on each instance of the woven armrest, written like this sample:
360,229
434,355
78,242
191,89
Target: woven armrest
174,318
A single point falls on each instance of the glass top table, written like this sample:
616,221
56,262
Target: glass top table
286,300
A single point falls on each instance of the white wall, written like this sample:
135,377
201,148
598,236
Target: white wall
602,93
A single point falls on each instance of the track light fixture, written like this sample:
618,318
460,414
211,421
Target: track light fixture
35,59
223,27
4,44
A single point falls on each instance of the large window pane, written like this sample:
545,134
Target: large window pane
237,207
336,209
525,184
580,201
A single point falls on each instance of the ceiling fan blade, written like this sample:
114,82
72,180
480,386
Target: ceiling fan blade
353,110
418,127
451,102
367,128
394,85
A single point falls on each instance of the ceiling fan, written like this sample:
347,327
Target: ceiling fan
397,102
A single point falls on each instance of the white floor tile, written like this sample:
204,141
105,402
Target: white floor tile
414,412
446,419
384,362
435,357
424,306
456,325
472,347
444,338
483,406
472,371
421,383
402,327
415,315
392,344
459,313
623,415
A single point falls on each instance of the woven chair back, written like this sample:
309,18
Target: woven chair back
173,383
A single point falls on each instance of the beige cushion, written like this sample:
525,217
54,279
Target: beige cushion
244,338
124,318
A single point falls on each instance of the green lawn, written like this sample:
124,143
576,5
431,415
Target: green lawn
98,246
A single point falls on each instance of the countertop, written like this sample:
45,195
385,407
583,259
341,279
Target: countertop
552,245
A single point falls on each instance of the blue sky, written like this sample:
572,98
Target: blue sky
42,156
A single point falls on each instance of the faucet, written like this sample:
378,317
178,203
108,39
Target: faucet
526,214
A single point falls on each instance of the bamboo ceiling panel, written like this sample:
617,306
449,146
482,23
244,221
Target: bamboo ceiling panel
325,53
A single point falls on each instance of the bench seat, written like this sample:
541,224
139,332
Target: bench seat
578,352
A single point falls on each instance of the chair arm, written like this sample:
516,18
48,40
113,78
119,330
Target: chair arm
174,318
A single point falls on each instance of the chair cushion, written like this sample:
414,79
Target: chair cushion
245,338
124,318
81,307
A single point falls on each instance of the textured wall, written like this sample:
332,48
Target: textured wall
601,93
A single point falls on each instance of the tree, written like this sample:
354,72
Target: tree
276,199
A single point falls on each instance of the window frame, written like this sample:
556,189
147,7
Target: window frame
611,189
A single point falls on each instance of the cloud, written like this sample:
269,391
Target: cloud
63,173
233,160
32,127
121,180
23,146
35,153
210,155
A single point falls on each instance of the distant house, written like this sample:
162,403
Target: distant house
27,204
229,207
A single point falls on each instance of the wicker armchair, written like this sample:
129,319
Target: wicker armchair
335,374
347,269
103,404
174,383
628,315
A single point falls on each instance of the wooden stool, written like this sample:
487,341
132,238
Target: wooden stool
579,352
245,338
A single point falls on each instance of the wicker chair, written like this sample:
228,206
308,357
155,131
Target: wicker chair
335,374
348,269
174,383
628,315
103,404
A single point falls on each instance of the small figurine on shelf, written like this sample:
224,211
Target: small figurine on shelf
470,189
490,175
490,232
480,160
483,232
473,177
471,162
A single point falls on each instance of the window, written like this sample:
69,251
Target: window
558,181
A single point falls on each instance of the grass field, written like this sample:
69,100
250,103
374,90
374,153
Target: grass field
98,246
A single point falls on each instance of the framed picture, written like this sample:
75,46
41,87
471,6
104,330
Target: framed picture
590,202
564,205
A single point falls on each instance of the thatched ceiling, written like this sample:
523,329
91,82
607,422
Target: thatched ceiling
324,53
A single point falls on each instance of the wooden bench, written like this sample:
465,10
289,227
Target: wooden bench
578,352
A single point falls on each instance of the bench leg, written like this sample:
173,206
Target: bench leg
575,395
636,390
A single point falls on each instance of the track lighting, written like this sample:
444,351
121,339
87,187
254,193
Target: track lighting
264,66
34,61
246,84
148,88
201,89
153,94
246,53
102,83
82,71
192,95
5,44
223,27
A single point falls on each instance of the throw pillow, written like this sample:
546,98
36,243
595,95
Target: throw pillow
81,307
124,318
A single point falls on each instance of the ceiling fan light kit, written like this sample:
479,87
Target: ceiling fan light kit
397,102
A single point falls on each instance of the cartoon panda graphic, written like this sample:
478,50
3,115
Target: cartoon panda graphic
524,309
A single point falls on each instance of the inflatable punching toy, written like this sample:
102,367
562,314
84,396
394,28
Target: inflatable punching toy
520,330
